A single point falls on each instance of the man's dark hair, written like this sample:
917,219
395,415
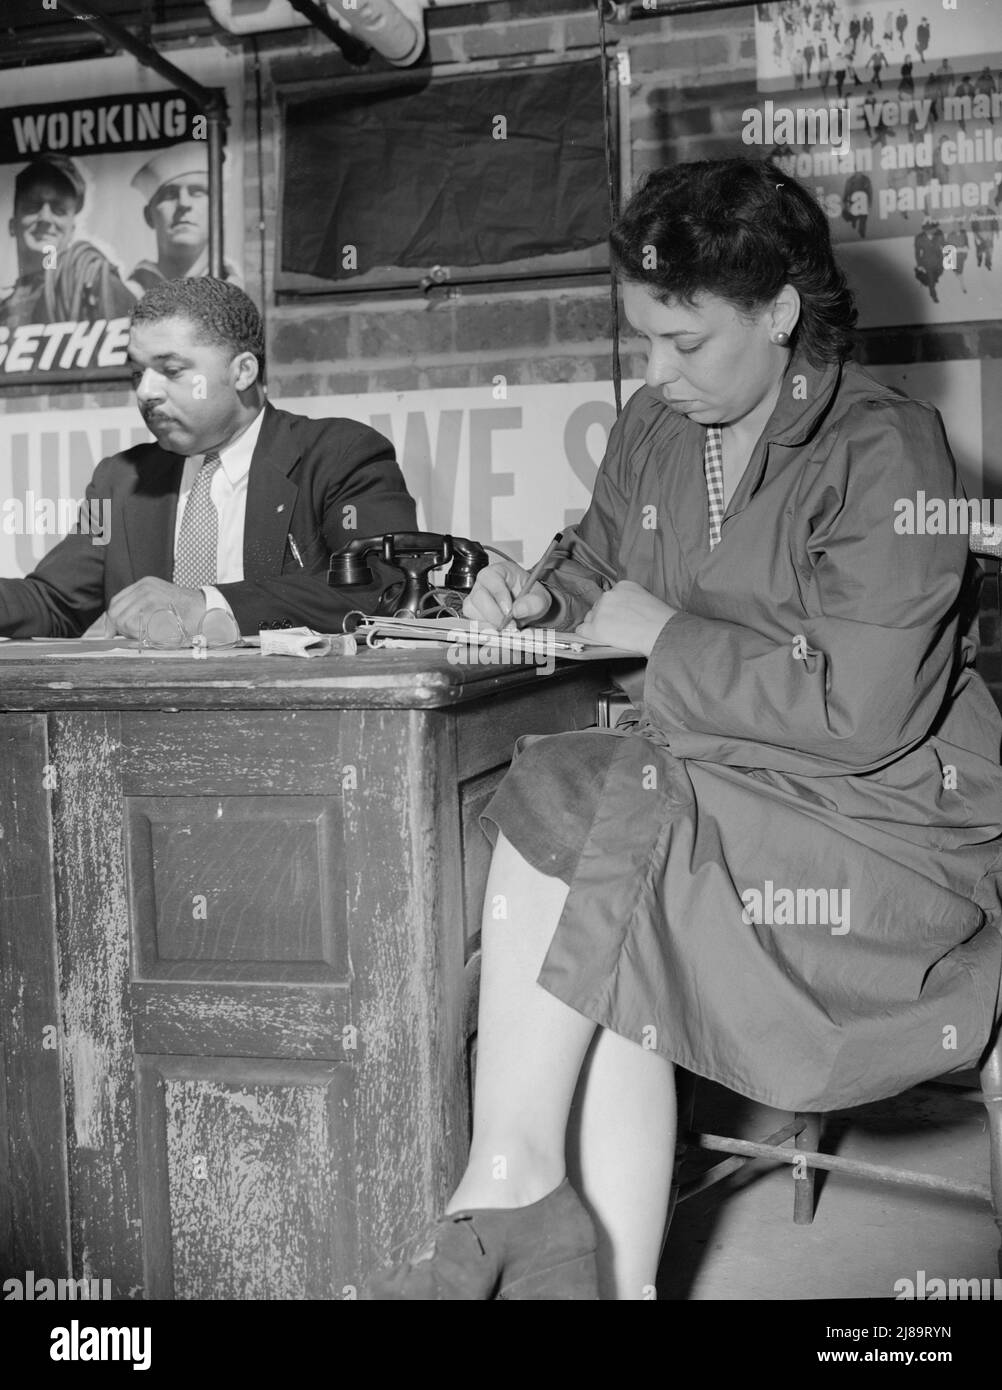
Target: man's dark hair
221,313
739,229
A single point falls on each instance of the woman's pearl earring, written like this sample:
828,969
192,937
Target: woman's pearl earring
781,339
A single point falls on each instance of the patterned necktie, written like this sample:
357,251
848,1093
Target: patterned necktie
198,539
713,467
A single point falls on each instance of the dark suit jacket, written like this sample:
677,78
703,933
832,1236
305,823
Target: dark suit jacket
304,476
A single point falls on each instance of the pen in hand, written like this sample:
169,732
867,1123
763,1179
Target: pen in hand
541,564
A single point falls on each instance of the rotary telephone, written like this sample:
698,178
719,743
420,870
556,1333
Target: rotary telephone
414,554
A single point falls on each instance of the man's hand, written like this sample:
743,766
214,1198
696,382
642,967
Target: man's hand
627,616
492,601
128,609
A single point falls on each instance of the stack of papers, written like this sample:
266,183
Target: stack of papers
527,641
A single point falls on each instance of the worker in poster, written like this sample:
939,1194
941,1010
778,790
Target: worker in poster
60,279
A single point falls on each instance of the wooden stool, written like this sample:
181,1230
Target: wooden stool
805,1129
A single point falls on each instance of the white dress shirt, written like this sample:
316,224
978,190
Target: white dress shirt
228,491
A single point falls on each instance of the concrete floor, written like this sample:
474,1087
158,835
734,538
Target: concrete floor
738,1241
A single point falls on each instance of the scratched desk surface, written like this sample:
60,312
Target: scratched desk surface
63,678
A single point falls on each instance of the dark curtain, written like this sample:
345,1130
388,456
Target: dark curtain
418,177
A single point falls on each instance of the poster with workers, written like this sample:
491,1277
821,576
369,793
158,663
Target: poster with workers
892,115
103,193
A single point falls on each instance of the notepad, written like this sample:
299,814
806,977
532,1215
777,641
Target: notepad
302,641
527,641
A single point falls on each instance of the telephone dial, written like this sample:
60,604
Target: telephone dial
415,554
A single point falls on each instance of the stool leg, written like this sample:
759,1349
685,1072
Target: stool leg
803,1190
685,1101
991,1092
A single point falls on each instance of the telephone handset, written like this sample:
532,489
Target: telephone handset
415,554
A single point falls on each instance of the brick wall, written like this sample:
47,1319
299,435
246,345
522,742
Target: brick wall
538,335
691,76
533,336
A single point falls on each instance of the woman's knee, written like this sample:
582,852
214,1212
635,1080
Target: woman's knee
518,893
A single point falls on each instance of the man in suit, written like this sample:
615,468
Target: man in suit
236,506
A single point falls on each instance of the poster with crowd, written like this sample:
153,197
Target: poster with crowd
102,194
892,115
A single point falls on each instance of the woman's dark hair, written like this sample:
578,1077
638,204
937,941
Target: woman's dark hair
739,229
221,313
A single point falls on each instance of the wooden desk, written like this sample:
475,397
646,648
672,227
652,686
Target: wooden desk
237,900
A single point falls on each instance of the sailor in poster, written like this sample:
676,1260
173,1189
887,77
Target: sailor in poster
174,185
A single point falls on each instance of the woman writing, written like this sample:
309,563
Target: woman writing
784,875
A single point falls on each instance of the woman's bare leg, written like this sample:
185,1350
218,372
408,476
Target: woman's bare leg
530,1052
530,1045
621,1153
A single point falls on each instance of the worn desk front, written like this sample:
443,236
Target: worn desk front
238,898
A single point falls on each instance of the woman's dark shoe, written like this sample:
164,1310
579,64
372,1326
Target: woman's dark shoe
542,1251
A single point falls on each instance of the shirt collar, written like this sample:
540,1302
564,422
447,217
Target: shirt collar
235,459
804,396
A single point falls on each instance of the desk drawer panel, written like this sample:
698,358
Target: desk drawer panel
308,1023
247,1179
245,884
209,751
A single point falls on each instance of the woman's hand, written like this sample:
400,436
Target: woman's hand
492,601
627,616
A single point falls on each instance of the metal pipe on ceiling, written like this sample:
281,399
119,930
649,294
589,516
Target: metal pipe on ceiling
212,105
394,28
354,52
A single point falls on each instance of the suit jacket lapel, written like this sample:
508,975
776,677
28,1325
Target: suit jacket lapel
148,516
271,497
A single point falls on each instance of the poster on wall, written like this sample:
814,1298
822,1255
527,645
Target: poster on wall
507,472
103,192
892,116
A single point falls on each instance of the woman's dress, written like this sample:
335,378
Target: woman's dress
786,875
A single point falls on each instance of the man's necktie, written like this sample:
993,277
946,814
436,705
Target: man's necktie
198,539
713,467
